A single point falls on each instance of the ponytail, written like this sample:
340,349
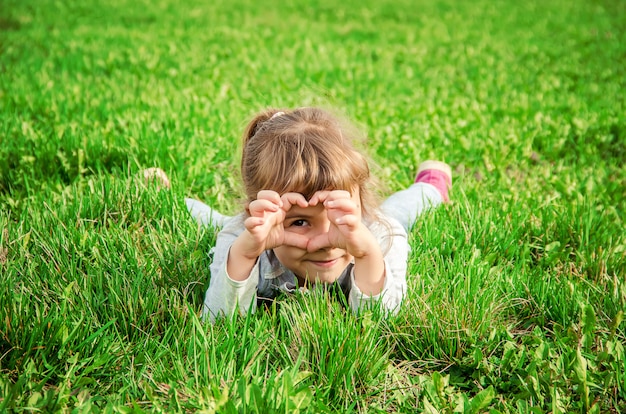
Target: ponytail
256,124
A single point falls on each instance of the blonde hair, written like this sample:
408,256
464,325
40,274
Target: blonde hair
304,150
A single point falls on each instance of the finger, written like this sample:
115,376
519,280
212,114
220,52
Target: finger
252,223
324,196
260,207
319,242
325,241
269,195
319,197
296,240
343,204
291,199
349,220
337,194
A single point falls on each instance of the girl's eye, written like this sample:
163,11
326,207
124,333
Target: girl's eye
299,223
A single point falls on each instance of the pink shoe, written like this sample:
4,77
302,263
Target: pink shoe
436,173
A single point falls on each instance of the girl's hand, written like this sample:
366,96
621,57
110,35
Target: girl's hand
264,230
265,223
346,229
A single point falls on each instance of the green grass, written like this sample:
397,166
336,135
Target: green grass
517,288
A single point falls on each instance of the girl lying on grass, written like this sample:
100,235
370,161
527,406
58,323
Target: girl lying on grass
310,218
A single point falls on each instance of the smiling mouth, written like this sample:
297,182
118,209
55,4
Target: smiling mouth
324,263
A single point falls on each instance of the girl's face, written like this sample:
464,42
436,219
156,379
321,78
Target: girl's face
325,264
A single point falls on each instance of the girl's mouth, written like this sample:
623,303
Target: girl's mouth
324,263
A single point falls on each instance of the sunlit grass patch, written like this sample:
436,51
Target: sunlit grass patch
516,288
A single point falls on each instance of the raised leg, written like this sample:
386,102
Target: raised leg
204,214
430,189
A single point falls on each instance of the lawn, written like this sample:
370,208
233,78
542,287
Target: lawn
517,288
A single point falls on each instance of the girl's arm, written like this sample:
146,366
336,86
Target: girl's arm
393,239
224,295
369,266
238,247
